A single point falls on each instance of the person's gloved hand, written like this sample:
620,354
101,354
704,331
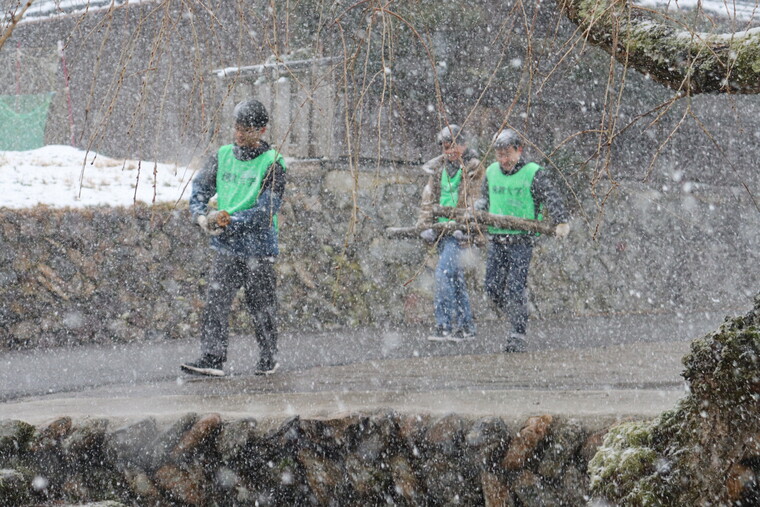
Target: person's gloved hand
428,235
562,230
202,222
208,228
459,235
217,221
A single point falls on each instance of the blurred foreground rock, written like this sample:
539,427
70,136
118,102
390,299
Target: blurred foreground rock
705,451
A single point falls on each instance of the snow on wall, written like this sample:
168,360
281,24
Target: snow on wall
52,8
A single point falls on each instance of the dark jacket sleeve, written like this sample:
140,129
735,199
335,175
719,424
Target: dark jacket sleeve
204,186
546,193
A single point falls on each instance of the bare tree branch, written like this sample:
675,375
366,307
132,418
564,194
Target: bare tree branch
15,18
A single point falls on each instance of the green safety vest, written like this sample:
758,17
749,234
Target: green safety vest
449,191
238,182
511,195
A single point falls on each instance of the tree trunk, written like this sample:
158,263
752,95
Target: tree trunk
682,60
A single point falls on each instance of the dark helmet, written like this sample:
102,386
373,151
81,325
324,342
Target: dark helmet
507,138
450,133
251,113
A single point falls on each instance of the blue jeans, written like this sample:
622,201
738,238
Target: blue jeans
507,278
451,302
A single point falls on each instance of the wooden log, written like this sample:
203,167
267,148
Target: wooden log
470,221
472,228
414,232
483,218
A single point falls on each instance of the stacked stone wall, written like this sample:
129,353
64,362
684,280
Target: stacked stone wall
101,275
358,459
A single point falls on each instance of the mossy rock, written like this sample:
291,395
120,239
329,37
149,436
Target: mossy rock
624,457
14,437
682,457
14,489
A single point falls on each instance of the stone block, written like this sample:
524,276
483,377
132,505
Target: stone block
14,438
142,487
204,430
524,446
50,435
488,438
237,440
752,447
328,435
14,488
130,446
405,482
449,481
495,492
562,446
446,435
323,475
168,439
739,479
187,486
412,430
529,489
592,444
366,479
85,440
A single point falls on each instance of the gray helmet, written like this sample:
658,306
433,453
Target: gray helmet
251,113
450,133
507,138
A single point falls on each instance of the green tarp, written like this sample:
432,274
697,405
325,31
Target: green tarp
22,121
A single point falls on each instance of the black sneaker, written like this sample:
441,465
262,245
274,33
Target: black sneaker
515,343
208,365
266,366
462,334
440,335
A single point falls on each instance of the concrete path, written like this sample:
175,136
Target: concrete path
597,369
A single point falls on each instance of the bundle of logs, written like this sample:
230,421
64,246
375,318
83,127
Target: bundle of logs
467,220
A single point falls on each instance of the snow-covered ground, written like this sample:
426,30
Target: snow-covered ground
52,8
61,176
741,10
42,9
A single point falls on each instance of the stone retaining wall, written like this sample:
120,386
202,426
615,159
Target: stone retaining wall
358,459
100,275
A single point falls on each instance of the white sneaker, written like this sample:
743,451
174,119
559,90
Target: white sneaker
266,367
440,335
462,334
207,365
